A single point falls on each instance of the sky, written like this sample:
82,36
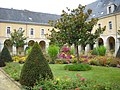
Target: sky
45,6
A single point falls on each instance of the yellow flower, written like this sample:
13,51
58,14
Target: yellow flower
58,79
72,56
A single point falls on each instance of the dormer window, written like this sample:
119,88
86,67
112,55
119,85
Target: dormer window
111,8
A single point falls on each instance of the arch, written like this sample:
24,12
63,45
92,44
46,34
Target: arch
42,45
111,43
9,44
100,42
31,43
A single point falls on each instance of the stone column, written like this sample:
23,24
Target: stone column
1,46
96,44
117,44
47,45
14,50
87,49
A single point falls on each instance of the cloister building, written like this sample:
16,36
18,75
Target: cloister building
36,25
108,13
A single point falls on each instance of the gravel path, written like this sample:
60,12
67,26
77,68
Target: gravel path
6,83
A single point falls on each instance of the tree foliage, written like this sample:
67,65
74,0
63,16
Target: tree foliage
18,38
35,68
5,55
75,27
8,42
2,63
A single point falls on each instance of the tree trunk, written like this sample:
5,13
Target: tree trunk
17,50
77,53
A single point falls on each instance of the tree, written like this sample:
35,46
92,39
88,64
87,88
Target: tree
5,55
35,68
75,27
18,39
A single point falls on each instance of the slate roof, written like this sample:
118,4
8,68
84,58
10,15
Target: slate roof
99,7
25,16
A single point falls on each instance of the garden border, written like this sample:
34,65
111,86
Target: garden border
8,77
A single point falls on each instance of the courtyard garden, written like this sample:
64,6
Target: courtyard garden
93,72
62,66
98,78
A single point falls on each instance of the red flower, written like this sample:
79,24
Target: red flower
40,88
82,79
78,75
77,88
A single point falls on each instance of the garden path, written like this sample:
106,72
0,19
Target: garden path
6,83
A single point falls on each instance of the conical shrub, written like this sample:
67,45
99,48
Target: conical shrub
5,55
35,68
2,63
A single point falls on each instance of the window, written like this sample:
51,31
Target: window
99,25
31,31
20,29
110,25
8,30
42,32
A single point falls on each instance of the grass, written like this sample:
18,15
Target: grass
97,73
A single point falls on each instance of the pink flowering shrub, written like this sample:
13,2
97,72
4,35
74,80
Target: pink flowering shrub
67,83
66,54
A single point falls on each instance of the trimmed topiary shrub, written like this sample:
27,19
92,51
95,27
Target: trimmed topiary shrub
2,63
5,55
36,68
77,67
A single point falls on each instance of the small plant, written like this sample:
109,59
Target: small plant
72,51
13,69
102,50
95,52
77,67
67,53
99,51
19,59
28,50
5,55
53,52
80,83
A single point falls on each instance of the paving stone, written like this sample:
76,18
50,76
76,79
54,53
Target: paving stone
6,83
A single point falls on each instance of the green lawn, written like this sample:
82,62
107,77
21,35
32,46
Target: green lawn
100,74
